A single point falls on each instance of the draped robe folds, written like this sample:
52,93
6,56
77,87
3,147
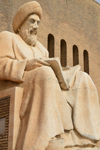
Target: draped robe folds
46,110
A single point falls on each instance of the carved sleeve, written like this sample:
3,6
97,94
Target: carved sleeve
10,68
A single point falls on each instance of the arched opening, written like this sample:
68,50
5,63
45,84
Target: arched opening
63,53
86,61
75,55
51,45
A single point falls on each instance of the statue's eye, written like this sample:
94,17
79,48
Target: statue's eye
38,22
32,20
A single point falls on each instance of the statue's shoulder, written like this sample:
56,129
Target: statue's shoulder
6,35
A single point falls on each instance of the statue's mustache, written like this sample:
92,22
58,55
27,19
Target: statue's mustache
33,31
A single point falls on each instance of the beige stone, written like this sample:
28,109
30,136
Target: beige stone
79,148
24,11
57,144
14,119
51,116
73,24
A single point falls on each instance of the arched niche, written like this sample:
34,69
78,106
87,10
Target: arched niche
75,55
63,53
86,61
51,44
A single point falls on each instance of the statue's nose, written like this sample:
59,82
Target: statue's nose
35,25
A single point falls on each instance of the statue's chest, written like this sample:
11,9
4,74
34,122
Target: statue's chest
23,51
37,53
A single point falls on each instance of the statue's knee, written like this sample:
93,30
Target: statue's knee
84,75
83,80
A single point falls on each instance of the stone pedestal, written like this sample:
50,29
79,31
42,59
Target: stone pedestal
10,102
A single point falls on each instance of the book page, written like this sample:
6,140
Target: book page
56,66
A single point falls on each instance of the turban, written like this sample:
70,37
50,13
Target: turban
24,11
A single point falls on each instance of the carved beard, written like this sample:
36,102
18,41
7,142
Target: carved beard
29,36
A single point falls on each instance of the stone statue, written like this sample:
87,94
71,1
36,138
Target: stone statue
52,118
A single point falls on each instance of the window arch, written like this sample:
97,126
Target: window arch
51,43
63,53
86,61
75,55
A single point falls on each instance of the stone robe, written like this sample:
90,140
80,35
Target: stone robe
46,110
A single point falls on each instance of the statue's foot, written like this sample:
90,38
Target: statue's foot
56,144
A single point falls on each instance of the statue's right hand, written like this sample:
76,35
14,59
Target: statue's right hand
34,63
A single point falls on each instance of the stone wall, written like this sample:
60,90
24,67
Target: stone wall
75,21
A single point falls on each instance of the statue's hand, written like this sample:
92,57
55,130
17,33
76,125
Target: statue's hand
34,63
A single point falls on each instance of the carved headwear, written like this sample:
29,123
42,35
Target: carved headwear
24,11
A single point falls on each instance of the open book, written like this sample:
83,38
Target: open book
56,66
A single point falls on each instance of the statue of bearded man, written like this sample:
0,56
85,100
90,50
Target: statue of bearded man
51,118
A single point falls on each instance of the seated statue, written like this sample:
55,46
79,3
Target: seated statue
52,117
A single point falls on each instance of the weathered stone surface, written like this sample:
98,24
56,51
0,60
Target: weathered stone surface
2,125
51,116
79,148
10,102
77,22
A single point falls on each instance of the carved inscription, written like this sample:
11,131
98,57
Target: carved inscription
2,125
4,122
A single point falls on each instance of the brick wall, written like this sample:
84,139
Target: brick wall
75,21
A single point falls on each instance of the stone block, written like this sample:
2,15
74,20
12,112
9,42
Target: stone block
10,102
